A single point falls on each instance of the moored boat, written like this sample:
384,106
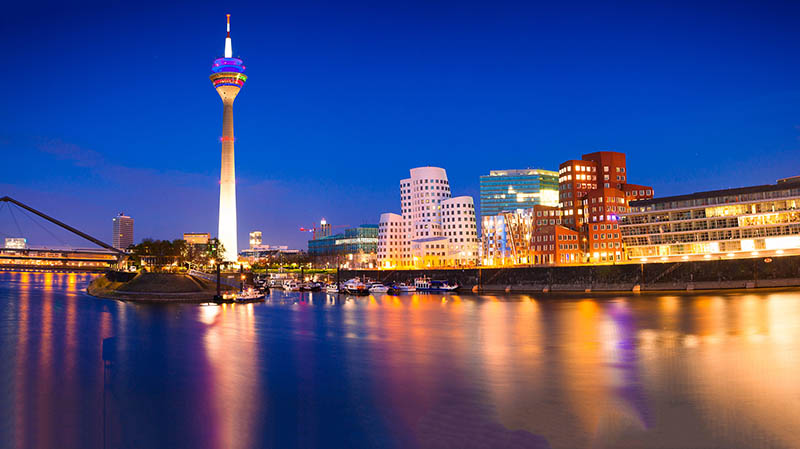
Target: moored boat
425,284
404,288
356,287
378,288
249,295
310,287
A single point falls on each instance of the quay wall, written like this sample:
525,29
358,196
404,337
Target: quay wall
688,275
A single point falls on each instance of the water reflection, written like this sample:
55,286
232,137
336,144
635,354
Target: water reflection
321,370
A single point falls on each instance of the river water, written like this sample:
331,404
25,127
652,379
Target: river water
433,371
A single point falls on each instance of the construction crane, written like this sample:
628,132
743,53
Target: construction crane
323,226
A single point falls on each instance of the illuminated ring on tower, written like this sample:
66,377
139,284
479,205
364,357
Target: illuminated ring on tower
228,65
228,79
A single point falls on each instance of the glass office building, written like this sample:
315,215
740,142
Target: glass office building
355,248
506,190
361,239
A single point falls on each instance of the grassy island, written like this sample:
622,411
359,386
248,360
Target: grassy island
153,287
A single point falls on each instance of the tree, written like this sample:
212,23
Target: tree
159,253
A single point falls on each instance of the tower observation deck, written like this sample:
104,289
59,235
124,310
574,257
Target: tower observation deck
228,78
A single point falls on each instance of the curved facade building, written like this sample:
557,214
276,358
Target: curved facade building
391,235
417,237
460,227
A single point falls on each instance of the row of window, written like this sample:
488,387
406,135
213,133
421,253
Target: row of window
724,199
604,227
579,168
425,181
603,236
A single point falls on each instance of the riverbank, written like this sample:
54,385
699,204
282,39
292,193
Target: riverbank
153,287
720,274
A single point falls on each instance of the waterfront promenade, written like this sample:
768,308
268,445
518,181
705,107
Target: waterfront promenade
689,275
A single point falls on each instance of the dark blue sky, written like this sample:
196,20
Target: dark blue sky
108,106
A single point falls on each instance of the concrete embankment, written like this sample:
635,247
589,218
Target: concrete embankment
765,272
152,287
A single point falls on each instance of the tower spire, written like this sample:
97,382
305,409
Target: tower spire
228,46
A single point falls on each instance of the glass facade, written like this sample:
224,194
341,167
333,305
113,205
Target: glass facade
505,190
362,239
529,237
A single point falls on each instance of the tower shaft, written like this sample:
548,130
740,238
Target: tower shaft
227,187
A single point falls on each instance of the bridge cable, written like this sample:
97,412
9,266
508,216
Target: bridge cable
11,210
24,212
1,231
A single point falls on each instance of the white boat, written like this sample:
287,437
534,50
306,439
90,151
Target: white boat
310,287
425,284
249,295
378,288
356,287
291,286
332,288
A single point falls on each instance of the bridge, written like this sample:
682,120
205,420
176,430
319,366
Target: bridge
15,253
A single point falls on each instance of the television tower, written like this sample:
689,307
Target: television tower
228,77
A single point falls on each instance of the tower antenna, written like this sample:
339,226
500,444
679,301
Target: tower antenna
228,46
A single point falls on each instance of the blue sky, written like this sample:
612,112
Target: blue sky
109,107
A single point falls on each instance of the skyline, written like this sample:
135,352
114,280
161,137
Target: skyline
347,101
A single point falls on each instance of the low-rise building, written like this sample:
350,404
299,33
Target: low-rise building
196,238
268,253
16,243
354,248
744,222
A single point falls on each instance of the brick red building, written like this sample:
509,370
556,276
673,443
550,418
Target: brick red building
593,191
555,245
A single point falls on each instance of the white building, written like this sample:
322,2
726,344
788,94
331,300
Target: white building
16,243
391,239
434,229
460,227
